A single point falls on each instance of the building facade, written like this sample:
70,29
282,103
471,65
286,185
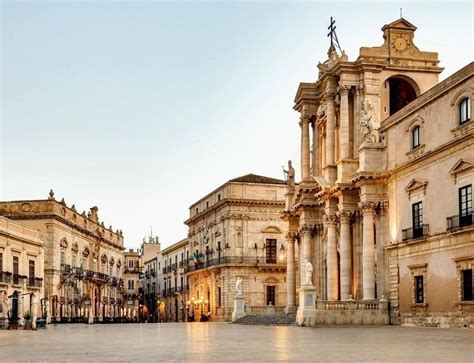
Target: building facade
21,272
173,282
148,292
236,231
363,186
430,159
131,278
83,259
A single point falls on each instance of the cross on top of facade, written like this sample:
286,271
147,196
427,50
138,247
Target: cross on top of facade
333,36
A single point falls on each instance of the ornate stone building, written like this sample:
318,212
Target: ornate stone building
83,259
131,278
173,282
429,151
21,272
236,231
341,213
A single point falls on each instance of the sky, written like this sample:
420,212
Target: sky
142,108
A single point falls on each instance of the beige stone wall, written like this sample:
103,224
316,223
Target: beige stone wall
24,243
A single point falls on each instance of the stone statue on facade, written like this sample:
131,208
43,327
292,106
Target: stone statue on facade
238,286
34,310
289,176
368,123
308,273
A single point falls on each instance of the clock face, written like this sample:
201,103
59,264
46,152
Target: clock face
400,43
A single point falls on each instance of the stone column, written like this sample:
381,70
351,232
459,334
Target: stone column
344,122
330,131
306,249
315,161
290,275
305,148
331,258
346,254
368,251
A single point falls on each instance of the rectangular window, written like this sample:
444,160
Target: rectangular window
130,264
219,296
466,276
417,216
465,206
218,197
1,262
181,282
419,296
31,272
63,260
74,257
15,270
271,251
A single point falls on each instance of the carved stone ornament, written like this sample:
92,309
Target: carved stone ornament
75,247
63,243
86,252
321,112
104,258
367,207
368,122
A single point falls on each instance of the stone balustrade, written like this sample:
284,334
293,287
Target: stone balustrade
264,309
363,312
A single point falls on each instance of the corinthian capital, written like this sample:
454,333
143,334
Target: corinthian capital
343,89
330,219
306,228
367,207
304,119
344,216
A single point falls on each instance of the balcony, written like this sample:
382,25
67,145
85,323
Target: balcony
458,222
168,269
234,260
6,277
163,270
415,233
65,269
174,266
164,294
35,282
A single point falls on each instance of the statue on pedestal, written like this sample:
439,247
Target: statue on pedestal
238,286
308,273
289,176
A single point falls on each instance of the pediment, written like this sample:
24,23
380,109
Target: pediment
63,243
461,166
416,184
271,229
400,24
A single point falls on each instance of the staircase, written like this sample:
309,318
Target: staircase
280,319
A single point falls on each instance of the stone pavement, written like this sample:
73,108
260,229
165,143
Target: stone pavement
223,342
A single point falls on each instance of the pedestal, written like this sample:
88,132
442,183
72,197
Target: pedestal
306,314
239,308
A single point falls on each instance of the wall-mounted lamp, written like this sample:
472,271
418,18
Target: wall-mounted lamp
255,247
282,247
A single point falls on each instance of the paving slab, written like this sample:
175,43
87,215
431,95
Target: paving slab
223,342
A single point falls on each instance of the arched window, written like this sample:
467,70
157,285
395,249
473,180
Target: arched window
415,137
464,110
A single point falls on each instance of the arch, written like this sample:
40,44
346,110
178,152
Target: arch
63,243
271,229
398,91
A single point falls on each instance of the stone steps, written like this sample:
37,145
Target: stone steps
281,319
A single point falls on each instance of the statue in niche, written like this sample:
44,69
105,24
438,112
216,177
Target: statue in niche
368,123
308,273
238,286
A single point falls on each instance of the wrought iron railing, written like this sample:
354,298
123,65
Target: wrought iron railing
237,260
456,222
6,277
414,233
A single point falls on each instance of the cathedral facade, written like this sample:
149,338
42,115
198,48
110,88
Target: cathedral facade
349,217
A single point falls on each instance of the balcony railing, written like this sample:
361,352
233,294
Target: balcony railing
458,222
6,277
35,282
414,233
174,266
236,260
163,270
65,269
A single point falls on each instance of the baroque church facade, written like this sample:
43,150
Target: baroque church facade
363,125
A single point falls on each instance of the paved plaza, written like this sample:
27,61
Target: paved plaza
223,342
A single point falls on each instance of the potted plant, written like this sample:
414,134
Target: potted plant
28,323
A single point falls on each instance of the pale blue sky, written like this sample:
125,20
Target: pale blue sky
142,108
